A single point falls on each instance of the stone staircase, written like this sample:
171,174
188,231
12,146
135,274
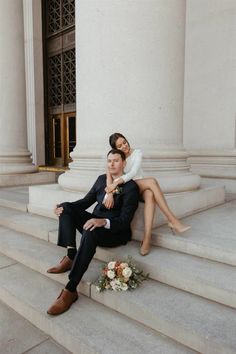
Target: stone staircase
187,306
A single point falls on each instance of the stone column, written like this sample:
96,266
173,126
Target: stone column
14,155
34,79
210,90
130,79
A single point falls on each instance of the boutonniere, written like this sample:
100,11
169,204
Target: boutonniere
118,190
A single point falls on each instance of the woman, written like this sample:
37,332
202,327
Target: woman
149,189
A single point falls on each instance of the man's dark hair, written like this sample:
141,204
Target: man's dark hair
119,152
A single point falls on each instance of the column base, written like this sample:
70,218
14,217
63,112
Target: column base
16,162
168,167
213,163
83,180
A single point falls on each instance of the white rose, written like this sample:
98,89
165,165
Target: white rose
111,265
118,285
127,272
115,284
124,265
124,287
111,274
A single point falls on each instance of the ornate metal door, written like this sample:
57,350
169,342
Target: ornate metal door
60,79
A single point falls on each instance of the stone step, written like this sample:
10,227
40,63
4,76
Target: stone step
200,324
15,198
209,279
212,280
88,327
212,235
18,335
35,225
40,255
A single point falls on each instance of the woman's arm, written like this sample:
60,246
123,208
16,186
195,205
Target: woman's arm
112,184
109,200
134,168
109,178
111,187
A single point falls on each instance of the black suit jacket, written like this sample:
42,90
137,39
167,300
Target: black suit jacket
125,205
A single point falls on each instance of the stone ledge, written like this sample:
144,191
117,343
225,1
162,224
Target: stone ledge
27,178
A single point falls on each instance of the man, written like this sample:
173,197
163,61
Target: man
104,227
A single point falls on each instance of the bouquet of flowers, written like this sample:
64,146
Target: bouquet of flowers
120,276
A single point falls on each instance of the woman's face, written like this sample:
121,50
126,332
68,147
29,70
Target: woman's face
122,144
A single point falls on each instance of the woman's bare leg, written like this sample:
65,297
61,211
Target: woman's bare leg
152,184
149,210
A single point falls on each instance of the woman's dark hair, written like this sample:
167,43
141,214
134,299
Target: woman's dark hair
119,152
113,139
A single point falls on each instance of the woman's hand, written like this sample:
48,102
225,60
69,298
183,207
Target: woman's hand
111,188
109,201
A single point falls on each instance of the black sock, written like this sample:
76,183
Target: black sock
71,286
71,252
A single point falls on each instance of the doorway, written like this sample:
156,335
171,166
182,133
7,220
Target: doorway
63,139
59,80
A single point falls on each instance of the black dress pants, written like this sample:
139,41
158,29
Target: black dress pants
72,218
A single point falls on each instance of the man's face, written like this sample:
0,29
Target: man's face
115,164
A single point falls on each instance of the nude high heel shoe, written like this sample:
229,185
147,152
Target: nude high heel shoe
176,230
144,251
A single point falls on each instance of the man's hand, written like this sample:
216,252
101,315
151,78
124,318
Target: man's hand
108,201
91,224
58,210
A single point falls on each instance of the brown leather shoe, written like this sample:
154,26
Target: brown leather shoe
63,302
64,265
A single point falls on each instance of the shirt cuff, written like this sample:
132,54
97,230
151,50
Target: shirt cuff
105,197
108,224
